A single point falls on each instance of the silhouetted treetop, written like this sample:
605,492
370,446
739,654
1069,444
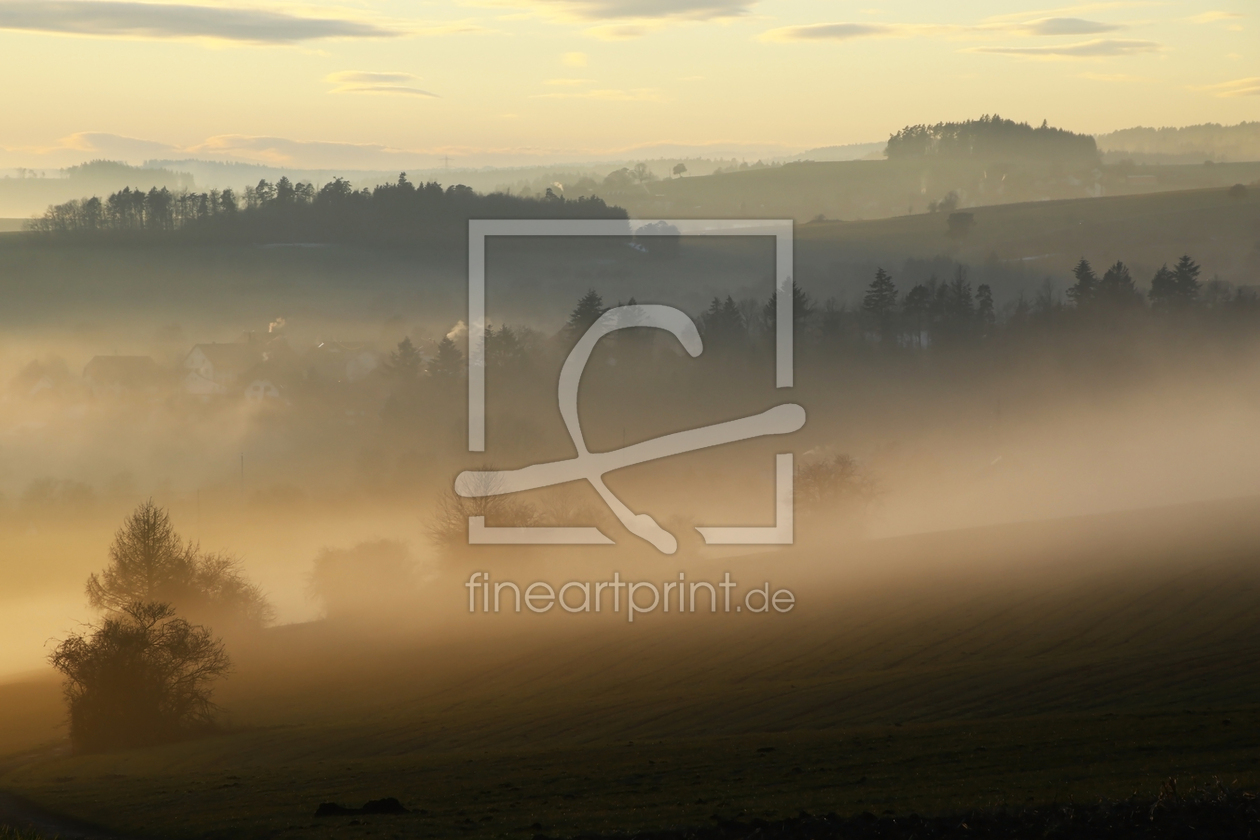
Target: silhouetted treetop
405,363
587,312
448,364
1117,289
1084,290
880,300
723,325
803,307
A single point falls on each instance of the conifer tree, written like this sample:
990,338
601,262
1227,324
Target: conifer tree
984,305
588,310
1116,288
449,362
1186,274
1083,292
881,296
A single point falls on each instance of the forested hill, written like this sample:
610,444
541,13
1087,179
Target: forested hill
396,213
992,138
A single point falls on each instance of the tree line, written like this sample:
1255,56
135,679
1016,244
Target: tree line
938,311
390,213
933,313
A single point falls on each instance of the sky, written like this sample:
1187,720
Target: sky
392,83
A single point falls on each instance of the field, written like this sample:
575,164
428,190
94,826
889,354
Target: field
1025,663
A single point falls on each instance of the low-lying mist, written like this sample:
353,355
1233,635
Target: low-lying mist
343,454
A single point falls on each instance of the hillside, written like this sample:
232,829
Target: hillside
1186,144
873,189
1022,663
1015,247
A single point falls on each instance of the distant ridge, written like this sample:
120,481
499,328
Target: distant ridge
849,151
1185,144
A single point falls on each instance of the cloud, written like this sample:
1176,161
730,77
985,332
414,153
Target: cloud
1067,26
568,82
1113,77
396,89
636,95
1102,48
834,32
574,59
1210,17
111,19
359,81
1075,9
360,77
111,146
589,11
1231,89
624,31
1041,27
622,19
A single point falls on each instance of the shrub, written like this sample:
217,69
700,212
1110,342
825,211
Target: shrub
141,677
833,489
371,577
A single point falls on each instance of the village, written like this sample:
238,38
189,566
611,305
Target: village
263,369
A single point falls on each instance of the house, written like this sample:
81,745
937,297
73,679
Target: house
344,361
261,389
218,368
117,375
213,368
48,376
45,383
265,382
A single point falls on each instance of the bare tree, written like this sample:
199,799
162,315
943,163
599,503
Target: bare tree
149,562
141,677
449,525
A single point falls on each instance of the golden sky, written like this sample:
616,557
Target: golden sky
385,83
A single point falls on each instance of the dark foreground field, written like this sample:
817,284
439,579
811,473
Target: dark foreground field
1007,679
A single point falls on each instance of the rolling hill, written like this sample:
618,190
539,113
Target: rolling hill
875,189
1015,247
